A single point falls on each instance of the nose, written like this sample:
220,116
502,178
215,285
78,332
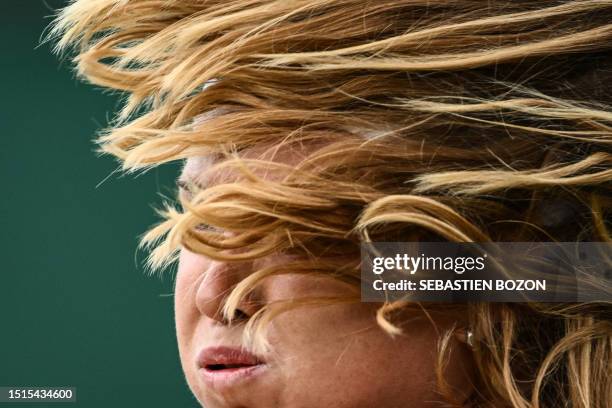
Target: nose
217,283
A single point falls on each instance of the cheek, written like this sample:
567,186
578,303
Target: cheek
189,272
186,314
338,356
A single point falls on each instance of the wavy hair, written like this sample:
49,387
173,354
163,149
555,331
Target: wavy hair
460,120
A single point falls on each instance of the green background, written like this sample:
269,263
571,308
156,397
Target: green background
76,307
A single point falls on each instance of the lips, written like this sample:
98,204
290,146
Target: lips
224,367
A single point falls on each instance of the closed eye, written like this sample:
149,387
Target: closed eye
206,227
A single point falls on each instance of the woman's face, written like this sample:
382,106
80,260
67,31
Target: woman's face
323,356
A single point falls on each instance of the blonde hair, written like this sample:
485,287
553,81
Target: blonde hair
460,120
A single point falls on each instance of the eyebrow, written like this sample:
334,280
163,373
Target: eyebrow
185,185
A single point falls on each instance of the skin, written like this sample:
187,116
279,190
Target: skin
324,356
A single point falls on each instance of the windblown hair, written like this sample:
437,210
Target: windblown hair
458,120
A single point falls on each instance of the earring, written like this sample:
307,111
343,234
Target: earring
469,338
466,335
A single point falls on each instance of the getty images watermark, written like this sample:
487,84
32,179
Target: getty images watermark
494,272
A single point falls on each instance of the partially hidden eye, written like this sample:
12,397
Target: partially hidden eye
187,190
206,227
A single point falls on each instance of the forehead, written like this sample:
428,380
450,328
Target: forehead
197,169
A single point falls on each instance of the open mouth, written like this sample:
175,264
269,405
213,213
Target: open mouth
226,358
225,367
236,366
